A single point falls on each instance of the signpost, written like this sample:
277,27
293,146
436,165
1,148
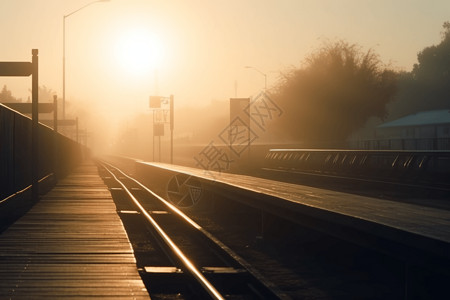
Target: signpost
237,110
238,119
26,69
160,116
26,108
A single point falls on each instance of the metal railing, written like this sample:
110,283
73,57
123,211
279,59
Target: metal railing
57,153
425,167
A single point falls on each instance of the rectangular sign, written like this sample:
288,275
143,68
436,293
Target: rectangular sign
155,102
65,122
162,116
25,108
16,68
158,129
239,109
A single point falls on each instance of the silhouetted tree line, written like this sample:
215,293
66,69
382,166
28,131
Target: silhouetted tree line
340,87
333,94
427,86
45,95
6,96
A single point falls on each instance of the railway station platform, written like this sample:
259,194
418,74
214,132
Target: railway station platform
413,233
71,244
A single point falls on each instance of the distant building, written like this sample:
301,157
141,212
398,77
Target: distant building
428,130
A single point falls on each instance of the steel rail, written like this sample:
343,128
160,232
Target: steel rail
172,207
189,266
255,279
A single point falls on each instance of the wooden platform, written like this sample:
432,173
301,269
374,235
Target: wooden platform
412,232
71,244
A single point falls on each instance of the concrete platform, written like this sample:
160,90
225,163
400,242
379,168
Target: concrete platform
413,233
71,244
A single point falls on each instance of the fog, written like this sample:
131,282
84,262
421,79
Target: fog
119,53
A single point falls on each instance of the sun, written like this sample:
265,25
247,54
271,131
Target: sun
139,52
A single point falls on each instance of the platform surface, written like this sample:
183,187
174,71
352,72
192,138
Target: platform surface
71,244
417,226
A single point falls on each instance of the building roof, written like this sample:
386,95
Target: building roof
431,117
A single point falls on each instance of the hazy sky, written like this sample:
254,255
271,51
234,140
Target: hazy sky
197,49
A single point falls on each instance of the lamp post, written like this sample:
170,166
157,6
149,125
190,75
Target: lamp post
64,52
264,74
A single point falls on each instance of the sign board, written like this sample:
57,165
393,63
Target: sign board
16,68
65,122
162,116
158,129
25,108
238,108
155,102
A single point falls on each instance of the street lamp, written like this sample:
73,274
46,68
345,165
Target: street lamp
264,74
64,51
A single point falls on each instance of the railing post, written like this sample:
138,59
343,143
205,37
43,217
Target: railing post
76,130
171,128
55,137
35,127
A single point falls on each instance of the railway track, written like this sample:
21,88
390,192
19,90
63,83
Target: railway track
301,262
186,261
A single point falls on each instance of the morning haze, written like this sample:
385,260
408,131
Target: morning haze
118,53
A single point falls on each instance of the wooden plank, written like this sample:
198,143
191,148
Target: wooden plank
70,244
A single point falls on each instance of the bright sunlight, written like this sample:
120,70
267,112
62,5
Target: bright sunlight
139,52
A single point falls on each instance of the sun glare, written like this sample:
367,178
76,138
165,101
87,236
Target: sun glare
139,52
